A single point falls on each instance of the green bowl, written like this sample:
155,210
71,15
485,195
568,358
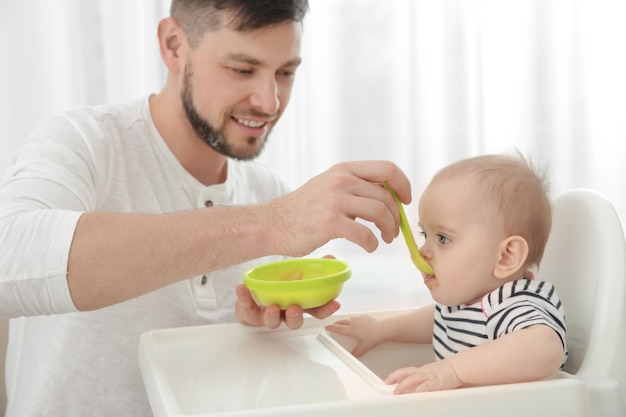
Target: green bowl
307,282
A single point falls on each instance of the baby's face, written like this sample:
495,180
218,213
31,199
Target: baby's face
461,242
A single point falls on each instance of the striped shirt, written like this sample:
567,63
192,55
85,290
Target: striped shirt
513,306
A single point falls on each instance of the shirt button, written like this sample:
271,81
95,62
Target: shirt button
208,203
203,280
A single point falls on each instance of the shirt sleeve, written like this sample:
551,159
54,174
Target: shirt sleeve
49,186
521,304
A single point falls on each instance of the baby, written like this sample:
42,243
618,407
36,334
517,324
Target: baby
486,221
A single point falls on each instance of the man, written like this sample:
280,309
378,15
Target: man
122,218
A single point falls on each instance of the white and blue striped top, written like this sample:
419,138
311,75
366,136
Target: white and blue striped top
513,306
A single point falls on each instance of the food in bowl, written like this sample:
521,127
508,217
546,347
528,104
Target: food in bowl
307,282
292,275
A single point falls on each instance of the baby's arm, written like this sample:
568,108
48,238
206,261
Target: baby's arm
415,326
529,354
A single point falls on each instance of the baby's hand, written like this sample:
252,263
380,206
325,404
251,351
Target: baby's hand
366,329
436,376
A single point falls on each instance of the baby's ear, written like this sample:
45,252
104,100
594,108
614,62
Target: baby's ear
512,255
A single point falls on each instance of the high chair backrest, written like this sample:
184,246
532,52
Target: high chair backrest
586,260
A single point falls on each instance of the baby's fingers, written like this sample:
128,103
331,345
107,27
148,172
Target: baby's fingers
435,376
409,380
340,326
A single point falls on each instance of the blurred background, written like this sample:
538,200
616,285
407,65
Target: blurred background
419,82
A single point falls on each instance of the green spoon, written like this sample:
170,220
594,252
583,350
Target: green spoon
416,257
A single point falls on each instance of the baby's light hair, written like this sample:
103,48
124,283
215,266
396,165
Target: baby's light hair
515,191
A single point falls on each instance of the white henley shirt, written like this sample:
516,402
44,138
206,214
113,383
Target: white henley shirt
61,362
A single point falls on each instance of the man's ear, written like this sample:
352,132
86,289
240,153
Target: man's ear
171,44
512,255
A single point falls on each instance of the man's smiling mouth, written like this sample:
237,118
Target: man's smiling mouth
249,123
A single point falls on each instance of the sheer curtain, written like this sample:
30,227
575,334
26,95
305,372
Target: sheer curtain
420,82
427,82
62,53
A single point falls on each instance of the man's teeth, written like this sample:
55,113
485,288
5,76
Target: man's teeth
250,123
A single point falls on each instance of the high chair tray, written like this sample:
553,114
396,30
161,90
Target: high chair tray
234,370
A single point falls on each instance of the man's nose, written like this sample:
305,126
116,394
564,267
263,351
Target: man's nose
265,97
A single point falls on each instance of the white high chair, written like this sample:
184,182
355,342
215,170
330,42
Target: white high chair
586,260
233,370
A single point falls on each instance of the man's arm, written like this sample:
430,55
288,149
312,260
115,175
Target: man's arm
119,256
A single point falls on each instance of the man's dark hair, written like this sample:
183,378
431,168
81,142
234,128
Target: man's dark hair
199,16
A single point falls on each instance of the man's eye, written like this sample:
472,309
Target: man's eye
288,74
242,71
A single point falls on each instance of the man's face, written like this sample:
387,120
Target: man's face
237,85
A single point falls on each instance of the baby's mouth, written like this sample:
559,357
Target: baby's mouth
431,282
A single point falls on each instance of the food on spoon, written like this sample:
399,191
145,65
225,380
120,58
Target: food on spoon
416,257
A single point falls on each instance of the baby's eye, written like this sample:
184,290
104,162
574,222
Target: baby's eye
443,239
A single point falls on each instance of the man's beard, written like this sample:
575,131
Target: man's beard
215,138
